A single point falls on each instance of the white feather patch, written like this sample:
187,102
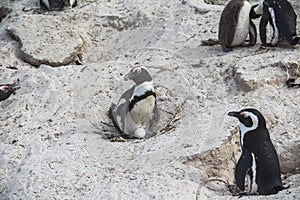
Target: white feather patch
122,101
274,32
119,122
254,187
72,2
142,88
46,3
244,129
140,133
259,8
242,28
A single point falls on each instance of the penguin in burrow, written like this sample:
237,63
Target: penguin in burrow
259,160
236,24
136,110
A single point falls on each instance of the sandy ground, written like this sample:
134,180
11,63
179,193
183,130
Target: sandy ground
53,130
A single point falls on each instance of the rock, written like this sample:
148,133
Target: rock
46,39
4,11
52,142
268,69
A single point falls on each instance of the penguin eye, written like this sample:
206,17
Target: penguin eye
138,70
244,115
3,88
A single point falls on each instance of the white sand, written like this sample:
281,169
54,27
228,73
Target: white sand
53,143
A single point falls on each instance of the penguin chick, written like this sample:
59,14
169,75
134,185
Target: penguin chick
259,160
7,89
235,24
282,19
133,114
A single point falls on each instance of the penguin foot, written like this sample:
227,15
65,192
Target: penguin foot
246,44
247,194
269,45
226,49
295,40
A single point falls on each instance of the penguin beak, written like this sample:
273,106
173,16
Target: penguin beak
234,114
11,87
16,85
128,76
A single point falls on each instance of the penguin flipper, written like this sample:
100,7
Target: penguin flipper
111,116
252,33
263,25
117,113
242,167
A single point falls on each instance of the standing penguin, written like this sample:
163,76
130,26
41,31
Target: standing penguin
282,18
136,108
259,160
235,24
7,89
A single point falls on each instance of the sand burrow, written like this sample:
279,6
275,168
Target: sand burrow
217,166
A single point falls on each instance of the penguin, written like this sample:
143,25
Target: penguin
282,19
235,24
57,5
52,5
7,89
137,108
71,3
259,160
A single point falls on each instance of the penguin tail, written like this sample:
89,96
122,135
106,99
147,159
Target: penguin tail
295,40
284,187
279,188
111,116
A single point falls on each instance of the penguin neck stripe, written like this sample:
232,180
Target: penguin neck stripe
244,129
142,88
139,98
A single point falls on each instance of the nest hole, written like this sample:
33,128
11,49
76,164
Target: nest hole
217,166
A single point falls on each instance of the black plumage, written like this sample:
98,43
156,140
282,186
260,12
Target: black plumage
7,89
259,158
282,19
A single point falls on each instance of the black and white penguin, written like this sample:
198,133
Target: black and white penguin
235,24
133,114
56,5
71,3
282,19
259,160
7,89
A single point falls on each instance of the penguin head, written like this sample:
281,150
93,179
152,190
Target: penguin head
7,89
249,117
138,75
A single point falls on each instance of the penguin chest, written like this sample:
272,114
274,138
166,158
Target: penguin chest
243,24
142,110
